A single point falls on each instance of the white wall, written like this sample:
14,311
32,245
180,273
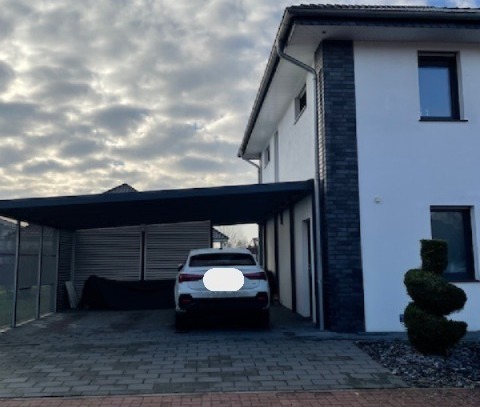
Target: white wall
303,211
410,165
295,142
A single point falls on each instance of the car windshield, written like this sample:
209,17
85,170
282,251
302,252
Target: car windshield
222,259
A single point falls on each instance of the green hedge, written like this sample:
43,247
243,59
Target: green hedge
432,293
432,334
434,254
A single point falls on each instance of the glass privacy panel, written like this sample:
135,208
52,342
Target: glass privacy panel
49,271
28,272
453,226
8,237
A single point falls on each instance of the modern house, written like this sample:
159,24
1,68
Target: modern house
379,105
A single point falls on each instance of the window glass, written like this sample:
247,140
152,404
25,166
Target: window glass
300,102
453,226
222,259
435,91
437,77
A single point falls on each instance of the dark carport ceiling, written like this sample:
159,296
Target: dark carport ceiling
222,205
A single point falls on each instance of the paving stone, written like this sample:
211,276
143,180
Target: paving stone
84,353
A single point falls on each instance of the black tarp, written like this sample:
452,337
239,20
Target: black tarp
102,293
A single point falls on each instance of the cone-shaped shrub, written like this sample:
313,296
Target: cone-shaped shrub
429,331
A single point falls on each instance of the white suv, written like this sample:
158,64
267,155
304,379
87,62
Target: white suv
221,280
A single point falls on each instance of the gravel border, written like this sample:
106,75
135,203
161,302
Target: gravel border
460,369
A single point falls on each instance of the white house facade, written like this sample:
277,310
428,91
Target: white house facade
379,106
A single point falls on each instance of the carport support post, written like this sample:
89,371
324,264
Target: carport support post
57,267
39,273
15,279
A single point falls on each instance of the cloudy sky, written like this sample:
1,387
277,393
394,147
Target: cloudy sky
154,93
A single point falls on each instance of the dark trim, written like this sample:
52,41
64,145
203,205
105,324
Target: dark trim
277,268
310,262
221,205
261,246
466,212
144,254
441,119
448,61
293,269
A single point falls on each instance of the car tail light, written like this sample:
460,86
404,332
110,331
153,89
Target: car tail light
262,298
184,299
256,276
189,277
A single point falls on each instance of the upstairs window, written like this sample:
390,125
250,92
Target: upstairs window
438,83
266,156
454,226
300,103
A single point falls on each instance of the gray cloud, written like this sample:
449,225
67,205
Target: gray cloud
7,75
198,164
120,119
152,93
43,166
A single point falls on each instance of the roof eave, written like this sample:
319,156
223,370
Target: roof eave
294,13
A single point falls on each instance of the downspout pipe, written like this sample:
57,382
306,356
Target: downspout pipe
259,173
317,189
261,254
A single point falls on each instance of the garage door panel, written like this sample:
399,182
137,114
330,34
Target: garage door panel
112,253
168,246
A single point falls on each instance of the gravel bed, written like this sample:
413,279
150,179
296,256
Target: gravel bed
460,369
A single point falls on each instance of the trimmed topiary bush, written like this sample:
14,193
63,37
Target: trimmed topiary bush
431,292
432,334
429,331
434,254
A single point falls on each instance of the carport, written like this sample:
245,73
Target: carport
40,237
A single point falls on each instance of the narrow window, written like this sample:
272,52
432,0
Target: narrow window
438,84
300,102
266,156
454,226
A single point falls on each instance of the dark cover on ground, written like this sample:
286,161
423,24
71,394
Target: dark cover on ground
102,293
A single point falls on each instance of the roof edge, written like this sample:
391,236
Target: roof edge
294,13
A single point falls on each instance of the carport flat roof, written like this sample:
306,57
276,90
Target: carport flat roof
222,205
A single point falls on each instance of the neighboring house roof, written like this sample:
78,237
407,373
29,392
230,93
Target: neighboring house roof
218,236
121,189
348,22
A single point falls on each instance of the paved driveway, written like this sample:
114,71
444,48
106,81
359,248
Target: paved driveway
139,352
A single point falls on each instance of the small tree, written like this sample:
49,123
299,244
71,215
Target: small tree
429,331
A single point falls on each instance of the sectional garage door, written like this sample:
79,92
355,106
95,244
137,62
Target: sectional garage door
168,245
151,252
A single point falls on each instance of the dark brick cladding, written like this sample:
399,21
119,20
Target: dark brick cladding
342,265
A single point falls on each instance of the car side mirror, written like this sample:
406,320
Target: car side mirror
180,266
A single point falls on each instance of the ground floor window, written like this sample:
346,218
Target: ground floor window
453,225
